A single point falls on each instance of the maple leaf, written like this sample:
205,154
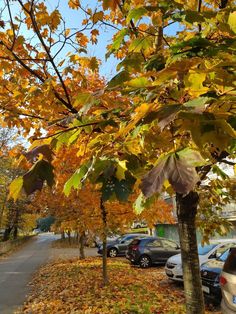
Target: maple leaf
178,168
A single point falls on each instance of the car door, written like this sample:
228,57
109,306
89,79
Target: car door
170,248
123,245
155,250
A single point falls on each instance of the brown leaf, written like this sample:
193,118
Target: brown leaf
45,150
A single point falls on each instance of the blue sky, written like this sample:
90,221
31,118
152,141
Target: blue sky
74,18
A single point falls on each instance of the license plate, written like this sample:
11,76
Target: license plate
168,272
234,299
205,289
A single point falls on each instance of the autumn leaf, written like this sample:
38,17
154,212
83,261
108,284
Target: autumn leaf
178,168
15,188
34,179
45,150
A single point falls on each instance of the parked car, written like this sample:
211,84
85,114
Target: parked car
110,238
228,284
119,246
151,250
210,275
214,249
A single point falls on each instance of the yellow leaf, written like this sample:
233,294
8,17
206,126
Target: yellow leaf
232,21
194,83
120,170
15,188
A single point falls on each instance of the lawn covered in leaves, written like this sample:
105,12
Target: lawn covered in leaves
75,286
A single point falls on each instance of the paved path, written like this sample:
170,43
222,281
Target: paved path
16,271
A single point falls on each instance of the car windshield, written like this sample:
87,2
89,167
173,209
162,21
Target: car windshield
202,250
224,256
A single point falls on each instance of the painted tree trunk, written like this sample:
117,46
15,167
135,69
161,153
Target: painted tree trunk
81,246
186,212
104,243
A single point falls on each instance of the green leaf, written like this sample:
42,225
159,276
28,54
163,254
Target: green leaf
136,14
83,99
139,204
119,38
219,172
139,44
131,63
124,188
138,82
119,79
15,188
193,157
197,104
75,180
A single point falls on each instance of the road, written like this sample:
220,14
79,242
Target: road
16,271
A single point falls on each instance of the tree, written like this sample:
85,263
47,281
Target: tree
183,91
170,109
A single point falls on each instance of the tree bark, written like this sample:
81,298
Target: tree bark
63,235
7,233
104,244
81,245
186,212
15,233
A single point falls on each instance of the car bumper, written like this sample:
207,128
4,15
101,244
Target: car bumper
174,274
225,309
212,292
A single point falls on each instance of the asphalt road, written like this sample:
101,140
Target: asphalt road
16,271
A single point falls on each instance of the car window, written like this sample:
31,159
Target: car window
156,243
202,250
223,248
230,263
224,256
169,244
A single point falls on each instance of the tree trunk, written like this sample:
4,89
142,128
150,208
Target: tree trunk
69,237
15,232
104,244
186,212
7,233
63,235
81,245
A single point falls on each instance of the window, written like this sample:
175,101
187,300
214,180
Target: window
202,250
223,248
155,243
230,264
169,244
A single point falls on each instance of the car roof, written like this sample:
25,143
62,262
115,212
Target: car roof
157,238
222,241
136,234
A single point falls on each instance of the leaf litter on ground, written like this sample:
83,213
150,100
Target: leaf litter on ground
75,287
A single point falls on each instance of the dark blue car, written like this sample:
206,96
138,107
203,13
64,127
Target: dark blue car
151,250
119,246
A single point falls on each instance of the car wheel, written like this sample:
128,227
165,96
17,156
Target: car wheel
145,261
112,252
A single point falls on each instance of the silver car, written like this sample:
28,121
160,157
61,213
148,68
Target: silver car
228,284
